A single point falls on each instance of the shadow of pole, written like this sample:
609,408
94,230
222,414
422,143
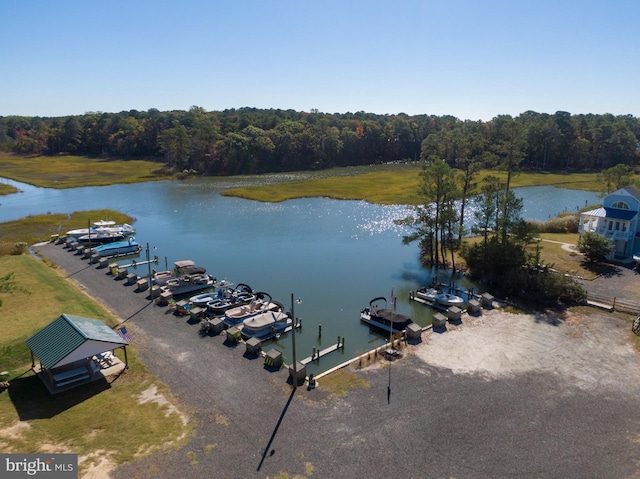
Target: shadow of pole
78,271
275,431
389,386
133,315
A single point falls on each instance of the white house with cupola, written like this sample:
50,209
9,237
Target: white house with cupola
617,220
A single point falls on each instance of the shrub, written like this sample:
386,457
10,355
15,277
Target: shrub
19,248
566,223
593,246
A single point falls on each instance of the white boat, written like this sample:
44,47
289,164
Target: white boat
103,226
447,299
438,296
266,325
261,304
118,248
202,299
383,318
428,294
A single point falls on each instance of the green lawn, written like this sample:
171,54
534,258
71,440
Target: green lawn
98,424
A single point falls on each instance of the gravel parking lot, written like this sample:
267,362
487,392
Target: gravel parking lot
498,396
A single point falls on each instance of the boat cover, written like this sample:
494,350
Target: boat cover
263,320
389,316
193,270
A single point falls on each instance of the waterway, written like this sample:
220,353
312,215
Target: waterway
333,255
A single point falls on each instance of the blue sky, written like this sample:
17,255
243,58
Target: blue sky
471,59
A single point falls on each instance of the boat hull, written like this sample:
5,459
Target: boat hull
187,284
101,238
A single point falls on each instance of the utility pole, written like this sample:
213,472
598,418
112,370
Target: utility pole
149,266
293,345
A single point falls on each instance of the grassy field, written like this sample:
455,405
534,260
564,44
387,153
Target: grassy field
76,171
393,185
109,425
33,229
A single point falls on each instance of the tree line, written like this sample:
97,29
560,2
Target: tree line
253,141
507,254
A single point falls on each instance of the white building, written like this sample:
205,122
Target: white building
617,220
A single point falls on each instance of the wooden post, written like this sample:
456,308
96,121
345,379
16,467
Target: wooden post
126,359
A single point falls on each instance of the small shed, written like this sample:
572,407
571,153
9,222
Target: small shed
72,350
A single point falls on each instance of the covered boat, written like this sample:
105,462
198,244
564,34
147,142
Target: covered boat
383,318
266,325
118,248
180,268
188,283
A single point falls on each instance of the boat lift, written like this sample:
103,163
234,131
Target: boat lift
134,264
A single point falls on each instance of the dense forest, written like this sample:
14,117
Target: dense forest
250,140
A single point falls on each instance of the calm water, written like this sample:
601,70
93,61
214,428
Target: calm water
333,255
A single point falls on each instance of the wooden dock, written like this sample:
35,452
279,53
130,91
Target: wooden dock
318,354
432,304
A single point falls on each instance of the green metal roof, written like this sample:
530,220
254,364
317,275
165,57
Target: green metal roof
65,334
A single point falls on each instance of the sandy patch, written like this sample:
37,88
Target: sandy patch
100,467
587,350
12,432
151,395
15,430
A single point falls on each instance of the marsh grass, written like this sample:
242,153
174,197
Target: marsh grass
34,229
393,185
105,417
397,187
7,189
76,171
